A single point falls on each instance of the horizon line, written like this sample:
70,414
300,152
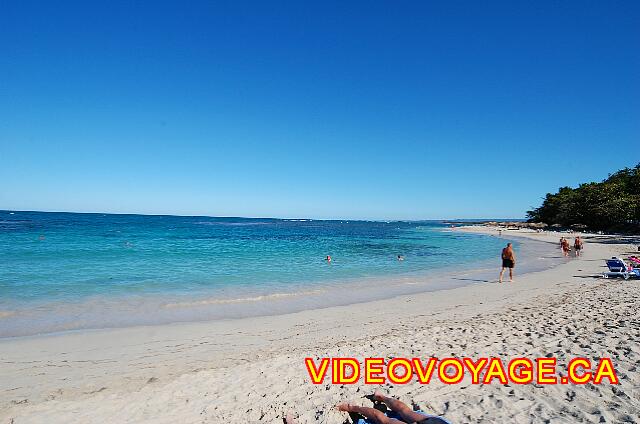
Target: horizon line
265,217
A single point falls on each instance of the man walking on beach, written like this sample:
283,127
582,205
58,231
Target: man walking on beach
577,246
508,261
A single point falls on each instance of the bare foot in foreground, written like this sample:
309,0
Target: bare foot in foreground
379,396
344,407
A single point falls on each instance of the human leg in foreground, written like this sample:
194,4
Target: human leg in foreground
371,414
407,415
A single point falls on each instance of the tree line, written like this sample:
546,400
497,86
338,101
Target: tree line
610,205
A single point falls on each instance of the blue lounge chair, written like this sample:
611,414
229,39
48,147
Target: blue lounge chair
617,268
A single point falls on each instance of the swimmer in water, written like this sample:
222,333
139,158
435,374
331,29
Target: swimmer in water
328,259
400,258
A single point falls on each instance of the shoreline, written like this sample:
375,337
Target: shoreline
127,311
133,374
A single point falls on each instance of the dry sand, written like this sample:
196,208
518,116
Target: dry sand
252,370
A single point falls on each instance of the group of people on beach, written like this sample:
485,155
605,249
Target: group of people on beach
566,247
509,256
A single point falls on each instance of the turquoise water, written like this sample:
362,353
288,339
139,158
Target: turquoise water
64,271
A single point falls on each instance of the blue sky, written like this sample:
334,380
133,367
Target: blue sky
375,110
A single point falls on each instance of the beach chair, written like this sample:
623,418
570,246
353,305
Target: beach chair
617,268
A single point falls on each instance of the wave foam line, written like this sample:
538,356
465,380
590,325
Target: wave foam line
242,299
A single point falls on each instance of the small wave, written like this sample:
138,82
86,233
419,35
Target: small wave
231,224
242,299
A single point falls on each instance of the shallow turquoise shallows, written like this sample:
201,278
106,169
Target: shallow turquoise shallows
65,271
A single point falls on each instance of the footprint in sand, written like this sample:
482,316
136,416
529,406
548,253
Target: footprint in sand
571,395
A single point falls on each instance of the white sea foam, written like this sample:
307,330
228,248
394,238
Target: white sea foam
272,296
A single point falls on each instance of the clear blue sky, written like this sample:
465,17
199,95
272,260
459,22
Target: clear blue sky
383,110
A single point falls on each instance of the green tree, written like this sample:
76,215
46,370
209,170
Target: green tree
613,204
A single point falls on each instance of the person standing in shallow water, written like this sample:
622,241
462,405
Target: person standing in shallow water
508,261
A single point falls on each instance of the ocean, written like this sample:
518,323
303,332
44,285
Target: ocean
73,271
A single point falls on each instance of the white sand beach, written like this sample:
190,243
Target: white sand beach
252,370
